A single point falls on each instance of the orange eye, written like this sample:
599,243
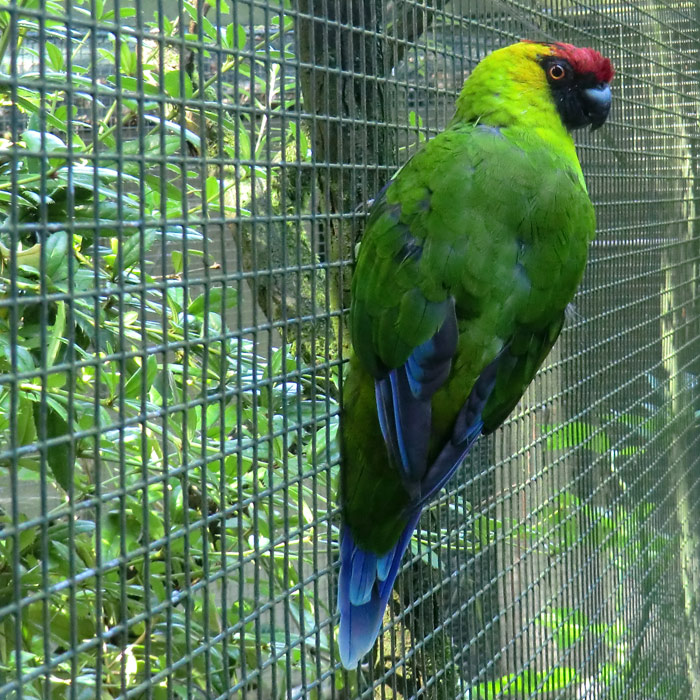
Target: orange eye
557,72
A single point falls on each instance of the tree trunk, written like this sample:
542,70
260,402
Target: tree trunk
342,46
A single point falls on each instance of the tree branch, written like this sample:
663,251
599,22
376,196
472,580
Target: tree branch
408,21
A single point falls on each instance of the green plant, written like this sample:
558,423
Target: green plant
526,684
178,452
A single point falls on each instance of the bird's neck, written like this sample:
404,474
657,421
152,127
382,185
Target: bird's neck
523,111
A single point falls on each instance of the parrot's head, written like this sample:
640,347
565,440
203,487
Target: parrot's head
579,80
537,84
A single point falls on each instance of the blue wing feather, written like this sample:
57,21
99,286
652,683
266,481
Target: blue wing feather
412,417
428,366
467,429
385,413
404,400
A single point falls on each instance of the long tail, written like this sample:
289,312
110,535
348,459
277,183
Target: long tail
364,587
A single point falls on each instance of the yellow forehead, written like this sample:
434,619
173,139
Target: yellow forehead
522,51
520,62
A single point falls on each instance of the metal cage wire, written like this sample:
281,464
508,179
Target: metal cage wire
182,187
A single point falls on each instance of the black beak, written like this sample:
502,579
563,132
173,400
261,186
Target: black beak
596,104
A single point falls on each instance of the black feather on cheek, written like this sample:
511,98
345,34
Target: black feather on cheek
572,94
570,108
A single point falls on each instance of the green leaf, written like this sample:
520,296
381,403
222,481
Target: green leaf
153,146
131,250
57,456
26,430
83,178
227,38
577,434
176,257
127,59
55,56
132,388
243,141
131,84
213,301
57,256
557,678
62,532
172,82
59,327
33,107
56,380
175,128
25,361
42,142
209,29
212,189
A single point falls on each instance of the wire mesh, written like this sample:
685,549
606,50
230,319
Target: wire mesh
182,186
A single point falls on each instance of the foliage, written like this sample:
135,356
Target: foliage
622,434
527,683
166,427
628,544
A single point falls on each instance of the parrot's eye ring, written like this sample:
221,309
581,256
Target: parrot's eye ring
556,71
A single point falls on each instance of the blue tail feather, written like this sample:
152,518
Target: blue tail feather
362,577
404,410
384,565
364,587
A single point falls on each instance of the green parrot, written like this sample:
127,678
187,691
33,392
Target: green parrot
471,254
